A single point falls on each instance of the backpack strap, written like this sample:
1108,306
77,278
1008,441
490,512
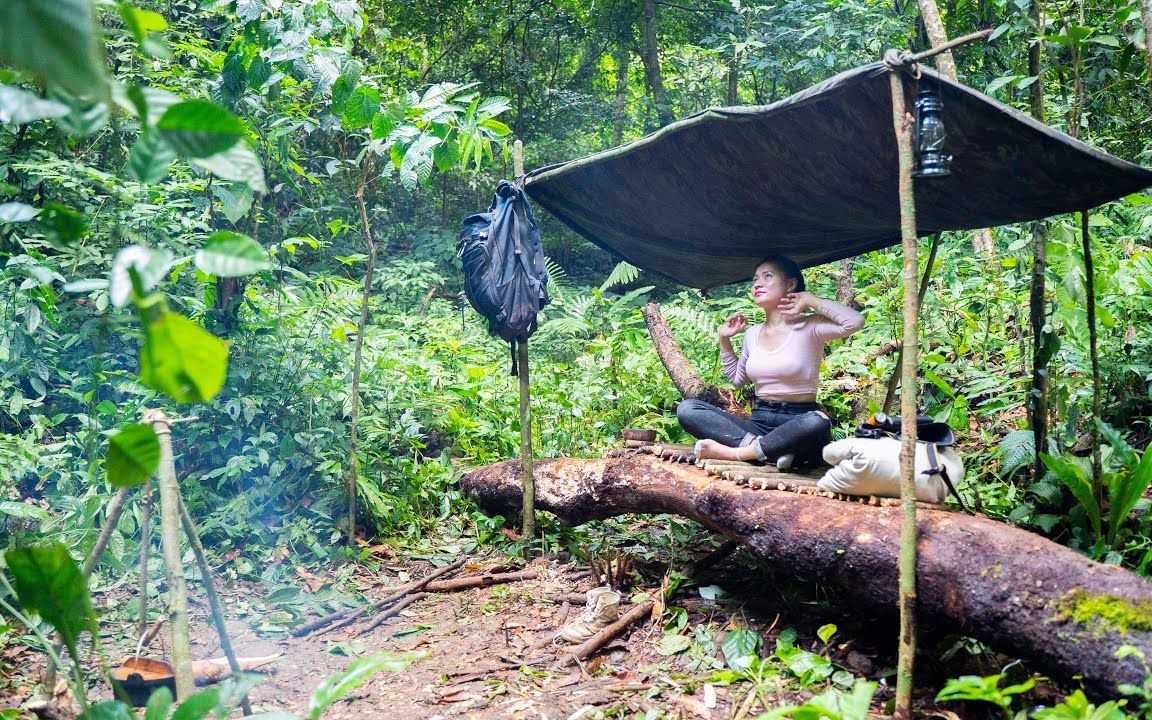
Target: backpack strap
935,468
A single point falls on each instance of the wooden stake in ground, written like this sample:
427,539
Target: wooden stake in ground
902,124
528,528
170,545
213,599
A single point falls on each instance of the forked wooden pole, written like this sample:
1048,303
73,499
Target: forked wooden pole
170,546
902,124
528,527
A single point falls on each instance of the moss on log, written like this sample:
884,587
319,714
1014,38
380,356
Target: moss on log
1015,591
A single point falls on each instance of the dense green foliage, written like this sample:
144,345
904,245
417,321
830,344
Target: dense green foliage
226,143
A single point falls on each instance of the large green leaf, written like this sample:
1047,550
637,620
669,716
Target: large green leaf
337,686
182,359
1125,491
199,129
159,702
740,648
85,115
235,201
56,40
361,106
110,710
141,23
133,454
238,164
150,158
230,254
23,511
49,583
1076,480
19,106
199,705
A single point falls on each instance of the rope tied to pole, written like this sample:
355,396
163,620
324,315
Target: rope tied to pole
902,60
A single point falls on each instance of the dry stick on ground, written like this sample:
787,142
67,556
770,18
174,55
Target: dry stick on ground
213,598
393,611
353,613
475,581
601,638
464,583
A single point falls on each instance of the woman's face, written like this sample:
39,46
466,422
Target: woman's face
770,285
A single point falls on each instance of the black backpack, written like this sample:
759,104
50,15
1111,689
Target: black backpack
504,274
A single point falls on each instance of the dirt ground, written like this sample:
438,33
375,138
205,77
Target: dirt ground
486,652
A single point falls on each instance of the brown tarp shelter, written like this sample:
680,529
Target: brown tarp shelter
814,177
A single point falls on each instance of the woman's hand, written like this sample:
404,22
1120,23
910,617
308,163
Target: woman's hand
734,325
794,304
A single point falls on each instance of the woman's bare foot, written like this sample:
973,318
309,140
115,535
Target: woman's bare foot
712,450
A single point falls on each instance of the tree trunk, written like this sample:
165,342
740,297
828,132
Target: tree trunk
1011,589
651,57
683,375
934,25
846,283
1146,16
358,354
1037,312
622,57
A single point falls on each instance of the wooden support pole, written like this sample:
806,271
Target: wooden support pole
528,527
170,545
897,369
902,125
1090,291
145,546
213,598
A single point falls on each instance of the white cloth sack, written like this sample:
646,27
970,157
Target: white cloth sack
871,466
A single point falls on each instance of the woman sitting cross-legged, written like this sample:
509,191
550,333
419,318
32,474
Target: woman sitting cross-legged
781,356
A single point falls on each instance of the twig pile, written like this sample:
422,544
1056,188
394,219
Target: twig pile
406,595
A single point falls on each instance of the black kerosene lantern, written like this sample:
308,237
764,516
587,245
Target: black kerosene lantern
931,160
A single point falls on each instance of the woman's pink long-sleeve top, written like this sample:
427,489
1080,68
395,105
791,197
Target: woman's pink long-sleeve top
793,369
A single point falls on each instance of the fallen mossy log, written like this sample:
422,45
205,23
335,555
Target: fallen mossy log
1015,591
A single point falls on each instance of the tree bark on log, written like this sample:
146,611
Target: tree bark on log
1013,590
680,369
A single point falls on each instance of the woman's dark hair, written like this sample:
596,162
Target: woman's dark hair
788,267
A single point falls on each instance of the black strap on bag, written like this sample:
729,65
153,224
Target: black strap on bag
935,468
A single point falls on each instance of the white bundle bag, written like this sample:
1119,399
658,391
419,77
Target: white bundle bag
871,466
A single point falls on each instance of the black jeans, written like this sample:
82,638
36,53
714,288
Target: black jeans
779,428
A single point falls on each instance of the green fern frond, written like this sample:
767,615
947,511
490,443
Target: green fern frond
622,274
1017,450
557,279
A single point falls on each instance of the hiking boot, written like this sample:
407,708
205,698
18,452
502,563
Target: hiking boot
601,610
